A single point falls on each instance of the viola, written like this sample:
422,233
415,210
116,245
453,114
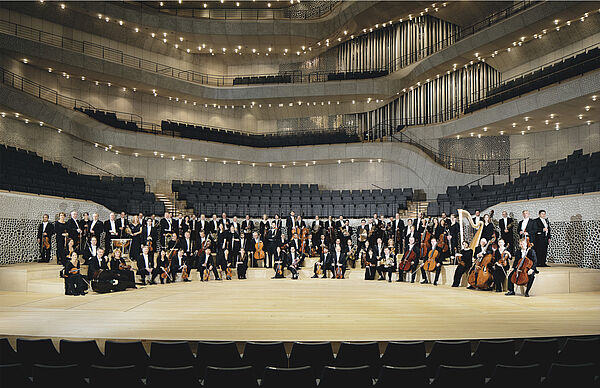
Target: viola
206,275
431,262
520,276
409,257
303,238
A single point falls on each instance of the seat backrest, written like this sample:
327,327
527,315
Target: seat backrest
37,351
313,354
449,353
185,376
490,353
125,353
263,354
106,376
57,375
240,377
7,353
410,353
410,376
347,377
580,351
217,354
301,377
13,375
453,376
505,375
171,354
576,375
359,353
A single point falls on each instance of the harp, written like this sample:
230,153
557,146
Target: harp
468,229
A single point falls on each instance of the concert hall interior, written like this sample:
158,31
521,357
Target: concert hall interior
299,193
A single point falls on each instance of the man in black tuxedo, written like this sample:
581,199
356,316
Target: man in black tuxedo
506,231
542,238
213,225
325,261
523,251
97,263
145,264
527,227
91,250
122,223
45,229
338,261
247,227
290,223
166,226
225,221
111,231
188,246
149,234
317,226
75,229
96,227
477,217
398,231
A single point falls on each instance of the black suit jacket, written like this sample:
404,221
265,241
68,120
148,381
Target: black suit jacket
342,259
141,264
94,266
164,226
153,235
72,228
530,229
107,228
97,229
530,254
49,230
539,230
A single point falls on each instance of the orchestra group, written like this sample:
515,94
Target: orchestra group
170,248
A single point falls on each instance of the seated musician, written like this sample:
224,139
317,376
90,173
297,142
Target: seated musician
337,243
121,269
90,251
411,246
523,251
350,250
188,246
370,264
338,262
207,265
482,250
279,259
164,267
323,264
145,266
438,266
293,261
322,244
97,264
227,263
309,246
501,265
180,265
465,261
387,265
74,282
241,264
173,243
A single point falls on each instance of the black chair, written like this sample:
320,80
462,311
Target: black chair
51,376
563,375
185,376
37,351
471,376
126,353
301,377
262,354
506,375
82,353
240,377
411,353
13,375
352,377
171,354
410,376
491,353
7,353
314,354
217,354
579,351
115,376
451,353
358,354
537,351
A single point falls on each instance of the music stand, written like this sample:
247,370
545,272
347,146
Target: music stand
124,244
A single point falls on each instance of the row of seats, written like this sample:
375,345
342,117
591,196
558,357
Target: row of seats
570,67
266,79
352,75
27,172
109,118
577,174
355,365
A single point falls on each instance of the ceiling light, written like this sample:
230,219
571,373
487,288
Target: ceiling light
50,71
587,108
589,122
556,21
484,129
62,6
153,34
25,60
502,132
580,117
547,122
120,22
107,19
552,115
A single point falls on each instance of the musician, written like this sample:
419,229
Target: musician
60,229
141,218
465,261
420,223
193,227
207,265
221,242
322,244
90,251
526,227
523,251
121,269
179,225
453,235
370,264
293,260
96,227
122,224
180,265
290,223
279,259
480,251
145,265
501,265
166,227
378,249
213,225
346,232
74,282
247,227
436,229
488,228
506,230
136,238
203,225
387,264
323,263
224,221
149,236
272,245
542,238
173,243
398,231
282,243
362,233
329,229
97,263
233,240
300,222
317,228
264,226
45,231
85,226
241,263
278,223
110,231
188,247
235,225
350,251
477,217
75,230
295,242
411,246
338,243
339,262
309,245
164,267
70,248
438,267
245,241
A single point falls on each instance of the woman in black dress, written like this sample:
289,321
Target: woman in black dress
136,239
60,228
74,283
488,228
121,270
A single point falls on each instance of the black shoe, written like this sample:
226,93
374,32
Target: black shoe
435,283
399,280
186,280
324,277
527,294
152,282
498,290
380,278
510,293
314,276
470,288
454,285
389,280
424,281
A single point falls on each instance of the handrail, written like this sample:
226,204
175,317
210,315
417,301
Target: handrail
518,161
90,164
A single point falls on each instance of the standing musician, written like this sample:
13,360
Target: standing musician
179,265
224,221
362,234
247,227
398,231
523,251
272,245
221,242
329,231
411,231
60,229
235,224
477,217
411,246
96,227
454,235
293,262
489,230
295,242
97,264
506,230
179,225
290,223
122,225
282,243
420,223
90,251
339,262
378,249
207,265
480,251
74,282
188,247
145,265
164,267
317,229
225,263
351,252
322,244
136,238
213,226
322,265
122,270
279,263
241,263
149,236
244,242
526,227
501,264
85,226
438,266
542,238
370,264
309,246
278,223
346,232
166,227
387,265
110,232
45,231
193,227
75,230
203,225
465,261
264,226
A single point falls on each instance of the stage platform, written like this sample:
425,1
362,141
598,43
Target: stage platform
263,309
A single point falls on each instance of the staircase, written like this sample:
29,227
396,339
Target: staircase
414,208
167,200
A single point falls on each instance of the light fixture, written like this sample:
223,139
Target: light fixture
155,153
580,117
514,125
594,98
484,129
587,108
552,115
120,22
107,19
25,60
50,71
83,77
41,123
589,122
62,6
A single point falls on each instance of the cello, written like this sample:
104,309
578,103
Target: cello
407,260
478,267
259,253
425,243
430,264
520,277
485,277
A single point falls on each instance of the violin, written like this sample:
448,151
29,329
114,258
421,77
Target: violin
407,259
338,272
520,276
504,257
184,272
206,275
303,239
150,248
431,262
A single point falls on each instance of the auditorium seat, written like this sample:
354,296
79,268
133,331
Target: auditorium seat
160,377
492,352
52,376
358,354
580,351
506,375
262,354
537,351
240,377
37,351
450,353
472,376
109,376
217,354
300,377
14,375
313,354
404,354
126,353
171,354
347,377
573,375
7,353
82,353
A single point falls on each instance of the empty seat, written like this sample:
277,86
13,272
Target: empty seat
472,376
37,351
451,353
171,354
109,376
404,354
491,353
579,351
240,377
537,351
347,377
184,376
411,376
358,354
51,376
13,375
263,354
7,353
217,354
126,353
301,377
577,375
506,375
313,354
83,353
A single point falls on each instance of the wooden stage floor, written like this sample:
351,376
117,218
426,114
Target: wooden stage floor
306,309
